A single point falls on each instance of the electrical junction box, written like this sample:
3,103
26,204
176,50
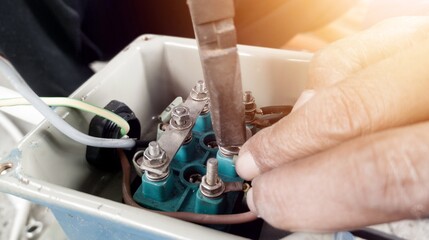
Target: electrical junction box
50,169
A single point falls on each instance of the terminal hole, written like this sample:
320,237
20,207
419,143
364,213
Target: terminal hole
5,167
194,174
210,141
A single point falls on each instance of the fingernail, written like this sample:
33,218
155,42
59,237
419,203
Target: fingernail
303,98
246,166
250,202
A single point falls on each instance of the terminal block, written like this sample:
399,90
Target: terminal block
185,170
195,179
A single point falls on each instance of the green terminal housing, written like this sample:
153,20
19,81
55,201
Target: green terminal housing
179,192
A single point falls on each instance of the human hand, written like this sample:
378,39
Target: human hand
355,153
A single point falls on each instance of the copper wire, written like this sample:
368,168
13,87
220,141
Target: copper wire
186,216
281,109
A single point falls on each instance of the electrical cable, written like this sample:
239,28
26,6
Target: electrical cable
21,86
73,103
269,115
285,109
267,120
186,216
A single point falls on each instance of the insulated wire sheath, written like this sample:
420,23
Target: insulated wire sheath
186,216
21,86
285,109
73,103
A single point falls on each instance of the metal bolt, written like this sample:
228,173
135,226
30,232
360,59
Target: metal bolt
199,91
248,97
249,106
154,149
180,118
200,87
154,155
211,185
180,115
212,172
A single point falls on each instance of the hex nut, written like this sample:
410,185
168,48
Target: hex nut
154,161
180,118
199,92
212,191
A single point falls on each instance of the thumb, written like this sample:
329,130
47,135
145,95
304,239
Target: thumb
369,180
247,167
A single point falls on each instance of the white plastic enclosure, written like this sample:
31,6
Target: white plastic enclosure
50,169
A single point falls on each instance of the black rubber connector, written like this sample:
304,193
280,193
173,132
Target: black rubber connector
107,158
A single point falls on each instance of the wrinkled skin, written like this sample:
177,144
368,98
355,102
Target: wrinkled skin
354,151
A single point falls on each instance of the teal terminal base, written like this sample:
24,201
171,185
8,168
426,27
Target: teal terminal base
158,190
203,123
179,192
226,165
207,205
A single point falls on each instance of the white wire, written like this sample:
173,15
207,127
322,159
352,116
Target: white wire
74,103
10,128
21,86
